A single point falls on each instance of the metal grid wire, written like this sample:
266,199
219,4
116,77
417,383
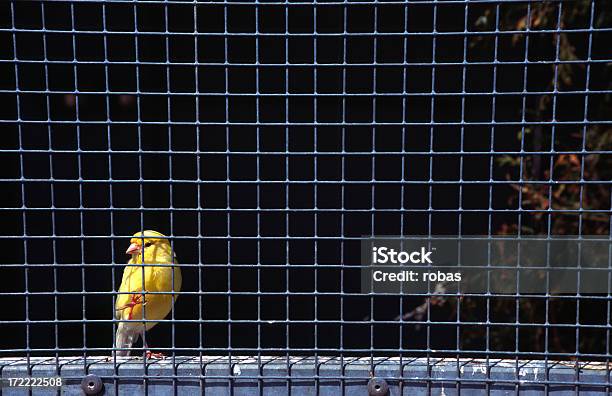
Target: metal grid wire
266,139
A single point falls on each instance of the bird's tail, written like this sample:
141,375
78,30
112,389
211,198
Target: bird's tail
125,338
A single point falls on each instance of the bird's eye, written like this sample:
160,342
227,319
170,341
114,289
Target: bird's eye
147,244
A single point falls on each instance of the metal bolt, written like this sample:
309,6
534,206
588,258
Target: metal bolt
92,384
378,387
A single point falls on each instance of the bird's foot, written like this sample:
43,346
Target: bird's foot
136,299
155,355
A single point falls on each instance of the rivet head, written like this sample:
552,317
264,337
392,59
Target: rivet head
92,384
378,387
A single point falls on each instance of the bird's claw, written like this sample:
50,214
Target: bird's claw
155,355
136,300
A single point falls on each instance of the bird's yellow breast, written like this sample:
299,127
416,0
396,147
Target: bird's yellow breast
154,283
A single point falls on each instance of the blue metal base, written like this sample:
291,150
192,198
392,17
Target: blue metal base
309,376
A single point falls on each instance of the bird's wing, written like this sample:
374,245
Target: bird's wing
166,278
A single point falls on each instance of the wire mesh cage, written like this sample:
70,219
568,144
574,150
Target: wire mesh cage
266,140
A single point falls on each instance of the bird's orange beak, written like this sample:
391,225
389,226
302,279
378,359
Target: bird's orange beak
133,249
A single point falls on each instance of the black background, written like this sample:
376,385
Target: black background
204,183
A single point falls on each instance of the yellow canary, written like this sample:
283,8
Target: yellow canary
147,300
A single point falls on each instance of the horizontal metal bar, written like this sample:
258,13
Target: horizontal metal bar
374,153
319,265
314,64
493,237
313,210
314,322
191,3
303,95
376,352
334,182
264,360
224,237
313,34
372,124
488,295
